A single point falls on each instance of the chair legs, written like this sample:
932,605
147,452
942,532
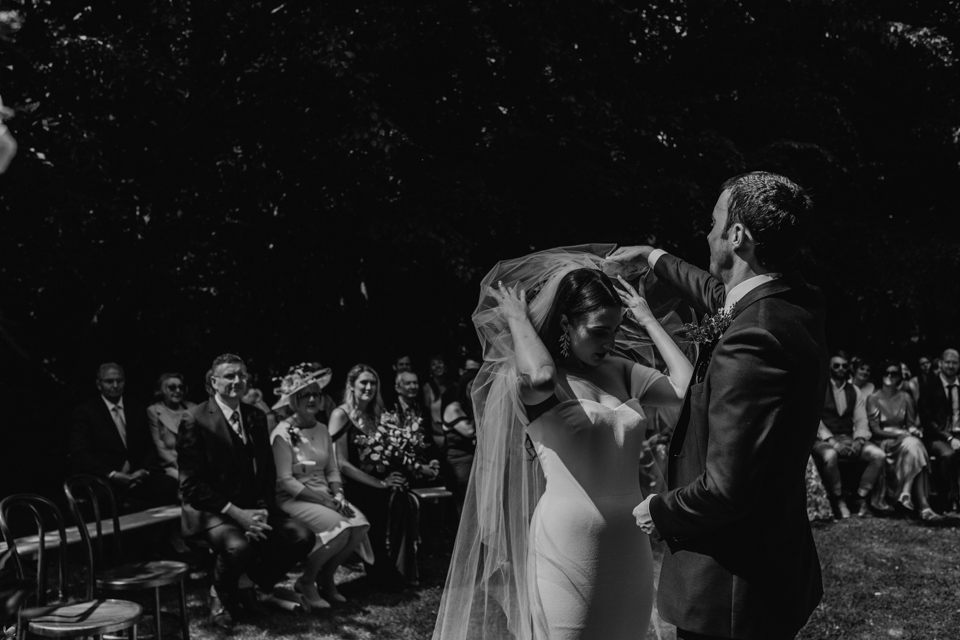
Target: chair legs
156,614
184,623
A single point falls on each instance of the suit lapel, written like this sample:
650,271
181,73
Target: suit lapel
771,288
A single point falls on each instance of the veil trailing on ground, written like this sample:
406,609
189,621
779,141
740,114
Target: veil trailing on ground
487,595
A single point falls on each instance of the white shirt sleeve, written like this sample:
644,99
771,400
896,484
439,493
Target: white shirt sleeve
654,256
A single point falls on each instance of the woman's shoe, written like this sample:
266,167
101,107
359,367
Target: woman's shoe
309,595
328,588
929,515
905,500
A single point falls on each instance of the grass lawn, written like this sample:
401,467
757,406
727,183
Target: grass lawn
883,578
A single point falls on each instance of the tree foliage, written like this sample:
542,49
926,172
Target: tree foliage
331,180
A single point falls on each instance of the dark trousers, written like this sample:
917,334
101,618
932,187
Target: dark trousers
946,468
266,562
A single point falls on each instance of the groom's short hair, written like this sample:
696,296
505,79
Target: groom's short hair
774,209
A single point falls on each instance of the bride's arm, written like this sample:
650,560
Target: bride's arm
680,369
534,363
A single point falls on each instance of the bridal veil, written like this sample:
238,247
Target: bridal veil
486,595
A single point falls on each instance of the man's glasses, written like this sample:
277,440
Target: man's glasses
839,365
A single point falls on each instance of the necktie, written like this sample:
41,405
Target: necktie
235,423
120,422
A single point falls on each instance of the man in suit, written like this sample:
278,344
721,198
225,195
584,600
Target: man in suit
110,438
228,483
845,433
742,562
940,419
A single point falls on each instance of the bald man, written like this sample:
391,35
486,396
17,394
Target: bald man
940,419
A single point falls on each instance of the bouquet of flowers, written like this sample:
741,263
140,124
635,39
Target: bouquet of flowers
396,445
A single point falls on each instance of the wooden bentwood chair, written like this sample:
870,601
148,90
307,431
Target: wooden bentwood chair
105,574
62,617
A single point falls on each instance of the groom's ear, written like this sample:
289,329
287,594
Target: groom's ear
739,235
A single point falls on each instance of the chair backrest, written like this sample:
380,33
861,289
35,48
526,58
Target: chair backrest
43,511
96,492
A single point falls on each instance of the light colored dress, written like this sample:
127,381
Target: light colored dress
164,426
906,455
314,465
591,567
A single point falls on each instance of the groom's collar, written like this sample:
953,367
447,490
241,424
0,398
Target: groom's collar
771,287
738,292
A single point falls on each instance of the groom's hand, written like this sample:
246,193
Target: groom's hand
631,254
645,520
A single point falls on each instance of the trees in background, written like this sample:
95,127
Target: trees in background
331,180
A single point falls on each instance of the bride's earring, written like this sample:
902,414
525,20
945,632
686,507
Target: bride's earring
564,344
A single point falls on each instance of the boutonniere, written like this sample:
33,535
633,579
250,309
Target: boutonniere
711,328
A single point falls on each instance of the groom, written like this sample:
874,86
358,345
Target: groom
742,561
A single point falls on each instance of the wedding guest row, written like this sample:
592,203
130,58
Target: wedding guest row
905,434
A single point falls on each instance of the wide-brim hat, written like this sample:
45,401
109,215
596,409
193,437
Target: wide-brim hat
297,380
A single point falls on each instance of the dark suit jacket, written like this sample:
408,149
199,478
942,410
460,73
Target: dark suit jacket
935,410
95,443
217,468
742,561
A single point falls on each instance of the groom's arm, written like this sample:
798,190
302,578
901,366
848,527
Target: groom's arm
696,287
746,404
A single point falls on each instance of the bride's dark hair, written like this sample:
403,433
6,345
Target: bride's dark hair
580,292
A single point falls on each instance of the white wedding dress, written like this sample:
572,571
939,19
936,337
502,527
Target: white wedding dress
591,568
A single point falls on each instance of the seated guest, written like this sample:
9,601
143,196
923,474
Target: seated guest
470,362
165,416
437,385
393,512
861,376
461,438
401,363
409,401
228,484
309,486
281,409
8,146
940,420
893,422
109,438
845,433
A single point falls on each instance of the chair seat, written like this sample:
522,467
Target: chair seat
142,575
433,493
88,617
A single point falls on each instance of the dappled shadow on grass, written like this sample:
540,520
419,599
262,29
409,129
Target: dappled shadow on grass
888,578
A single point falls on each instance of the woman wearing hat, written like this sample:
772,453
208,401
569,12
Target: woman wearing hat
309,486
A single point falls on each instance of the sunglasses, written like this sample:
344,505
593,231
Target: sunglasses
839,365
893,372
175,387
308,394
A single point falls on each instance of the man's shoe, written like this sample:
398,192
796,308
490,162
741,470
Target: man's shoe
220,617
840,509
864,511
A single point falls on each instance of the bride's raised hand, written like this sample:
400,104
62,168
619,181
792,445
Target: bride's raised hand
635,301
511,301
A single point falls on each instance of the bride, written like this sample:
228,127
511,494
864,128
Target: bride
556,554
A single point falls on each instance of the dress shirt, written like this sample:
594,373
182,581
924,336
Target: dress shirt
227,412
861,426
955,409
733,295
119,419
